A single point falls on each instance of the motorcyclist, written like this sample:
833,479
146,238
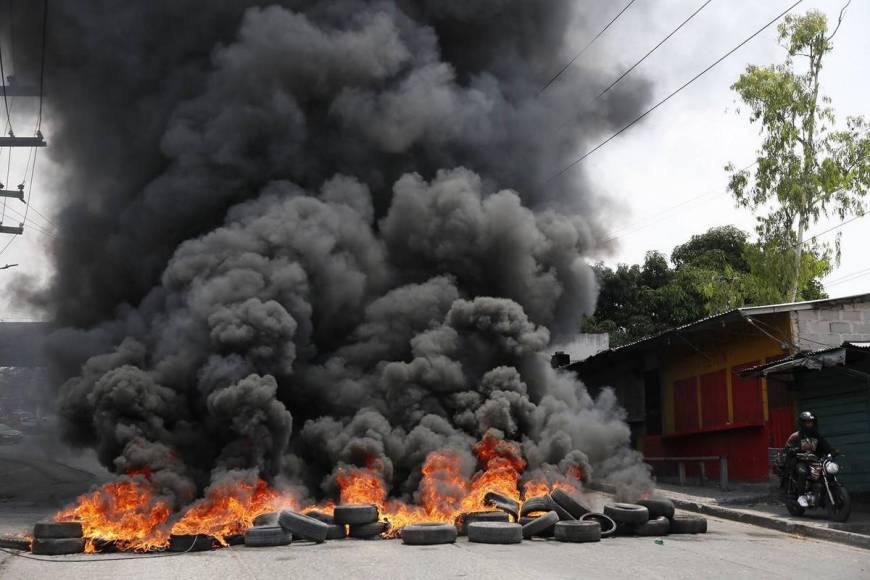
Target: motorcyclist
805,440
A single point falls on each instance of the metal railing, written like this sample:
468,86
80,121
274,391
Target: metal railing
701,461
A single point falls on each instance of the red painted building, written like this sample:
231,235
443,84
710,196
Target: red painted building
683,392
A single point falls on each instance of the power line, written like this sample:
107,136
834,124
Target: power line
655,217
655,48
667,98
831,229
848,277
588,44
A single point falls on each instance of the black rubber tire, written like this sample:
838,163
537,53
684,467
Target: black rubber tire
658,507
57,546
191,542
572,505
495,533
354,515
266,519
578,531
504,503
702,525
686,524
467,518
794,507
321,516
303,527
659,526
15,543
428,534
49,529
235,539
368,531
607,525
627,513
541,503
540,525
336,532
267,536
548,533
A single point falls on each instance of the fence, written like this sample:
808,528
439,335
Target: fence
701,461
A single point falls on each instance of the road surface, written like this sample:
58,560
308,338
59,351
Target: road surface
730,550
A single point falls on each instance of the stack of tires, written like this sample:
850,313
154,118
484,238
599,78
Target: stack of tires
652,517
57,538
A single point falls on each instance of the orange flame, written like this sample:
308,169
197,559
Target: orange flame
131,514
126,512
230,508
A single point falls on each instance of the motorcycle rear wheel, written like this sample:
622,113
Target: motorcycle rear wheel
843,509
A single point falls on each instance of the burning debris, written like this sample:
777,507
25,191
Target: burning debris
321,264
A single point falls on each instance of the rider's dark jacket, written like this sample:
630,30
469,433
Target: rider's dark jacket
808,442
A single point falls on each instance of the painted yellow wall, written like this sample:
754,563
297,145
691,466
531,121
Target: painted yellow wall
725,348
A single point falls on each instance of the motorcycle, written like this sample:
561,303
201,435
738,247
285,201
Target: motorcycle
823,489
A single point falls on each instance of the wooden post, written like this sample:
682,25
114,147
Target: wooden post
702,469
723,473
681,470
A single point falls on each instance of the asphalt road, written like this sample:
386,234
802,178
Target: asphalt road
730,550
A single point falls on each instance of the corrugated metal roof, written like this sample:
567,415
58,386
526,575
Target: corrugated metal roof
741,312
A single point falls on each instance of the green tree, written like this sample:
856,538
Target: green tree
713,272
806,169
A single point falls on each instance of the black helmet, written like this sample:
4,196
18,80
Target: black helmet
807,422
807,416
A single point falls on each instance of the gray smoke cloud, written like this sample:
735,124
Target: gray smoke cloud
312,236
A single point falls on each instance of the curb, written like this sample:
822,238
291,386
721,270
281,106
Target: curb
773,523
769,522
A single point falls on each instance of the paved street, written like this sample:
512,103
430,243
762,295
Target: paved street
730,550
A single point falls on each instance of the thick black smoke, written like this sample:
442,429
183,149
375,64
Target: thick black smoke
308,235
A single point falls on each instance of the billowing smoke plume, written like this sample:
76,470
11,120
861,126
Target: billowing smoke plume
316,235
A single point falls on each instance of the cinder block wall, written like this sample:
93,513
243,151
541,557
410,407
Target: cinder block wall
831,326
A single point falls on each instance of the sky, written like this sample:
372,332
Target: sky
665,175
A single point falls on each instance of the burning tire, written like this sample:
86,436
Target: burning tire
541,503
336,532
235,539
548,533
465,519
627,513
688,525
428,534
573,506
659,526
321,516
57,530
354,515
495,533
607,525
368,530
57,546
504,503
266,536
303,527
540,524
578,531
266,519
15,543
658,507
191,542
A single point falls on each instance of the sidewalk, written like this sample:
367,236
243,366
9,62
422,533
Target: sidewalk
755,505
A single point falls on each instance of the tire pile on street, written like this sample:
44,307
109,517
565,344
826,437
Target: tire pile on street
559,515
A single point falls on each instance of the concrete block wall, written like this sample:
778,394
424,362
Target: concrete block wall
832,325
